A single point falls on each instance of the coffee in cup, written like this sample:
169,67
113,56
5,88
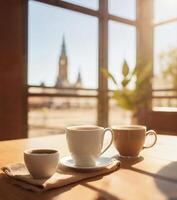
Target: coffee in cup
85,143
41,163
129,140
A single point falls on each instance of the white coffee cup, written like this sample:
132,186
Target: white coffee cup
85,143
41,163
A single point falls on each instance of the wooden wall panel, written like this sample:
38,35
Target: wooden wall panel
13,68
163,122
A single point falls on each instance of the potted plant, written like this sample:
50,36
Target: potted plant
134,91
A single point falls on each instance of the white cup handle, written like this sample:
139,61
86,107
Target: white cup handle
107,147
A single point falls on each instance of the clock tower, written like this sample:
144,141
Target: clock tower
62,78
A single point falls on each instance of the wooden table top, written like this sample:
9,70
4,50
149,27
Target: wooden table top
153,176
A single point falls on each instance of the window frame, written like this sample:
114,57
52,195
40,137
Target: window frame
103,17
144,47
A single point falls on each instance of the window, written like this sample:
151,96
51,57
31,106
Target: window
49,27
122,46
165,55
165,39
61,57
61,35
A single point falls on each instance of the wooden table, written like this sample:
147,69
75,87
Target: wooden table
153,176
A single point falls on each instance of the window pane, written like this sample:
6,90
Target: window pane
122,45
62,52
49,28
123,8
165,40
165,9
93,4
165,64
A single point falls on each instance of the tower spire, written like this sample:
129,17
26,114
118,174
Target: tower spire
63,51
79,79
62,78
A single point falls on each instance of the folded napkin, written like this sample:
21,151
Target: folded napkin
62,177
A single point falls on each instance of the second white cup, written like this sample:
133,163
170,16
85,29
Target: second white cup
85,143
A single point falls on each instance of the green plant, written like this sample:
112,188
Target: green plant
128,97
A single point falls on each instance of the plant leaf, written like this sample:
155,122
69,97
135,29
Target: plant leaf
125,69
125,82
109,75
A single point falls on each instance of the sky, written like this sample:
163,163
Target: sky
48,24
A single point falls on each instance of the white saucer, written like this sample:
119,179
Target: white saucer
100,163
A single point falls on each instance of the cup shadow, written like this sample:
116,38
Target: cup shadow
126,163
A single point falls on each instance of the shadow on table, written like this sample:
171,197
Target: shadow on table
101,194
16,191
165,179
126,163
